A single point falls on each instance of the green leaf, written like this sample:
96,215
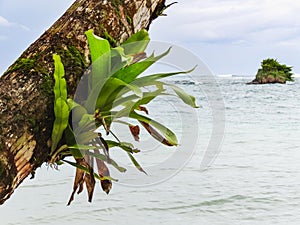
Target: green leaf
61,112
82,147
137,43
61,108
88,171
72,104
59,163
130,105
86,137
170,137
128,147
76,153
60,86
110,92
150,79
70,136
86,120
119,59
130,73
100,55
185,97
121,80
136,164
78,112
145,99
110,161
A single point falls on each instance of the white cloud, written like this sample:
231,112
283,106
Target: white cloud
233,36
224,31
234,21
4,22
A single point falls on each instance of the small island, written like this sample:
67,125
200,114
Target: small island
272,71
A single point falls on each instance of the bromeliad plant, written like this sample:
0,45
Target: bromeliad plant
115,91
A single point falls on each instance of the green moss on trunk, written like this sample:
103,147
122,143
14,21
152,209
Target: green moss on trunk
116,4
27,65
47,86
22,64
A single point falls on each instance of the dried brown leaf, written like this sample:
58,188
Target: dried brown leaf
138,57
82,177
80,186
103,145
143,109
135,131
78,181
106,186
90,182
155,134
103,172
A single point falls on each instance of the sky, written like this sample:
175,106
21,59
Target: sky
229,36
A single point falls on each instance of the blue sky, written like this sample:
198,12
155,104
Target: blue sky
230,36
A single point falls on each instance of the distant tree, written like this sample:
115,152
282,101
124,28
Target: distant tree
272,71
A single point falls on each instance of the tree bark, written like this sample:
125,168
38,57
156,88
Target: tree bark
26,98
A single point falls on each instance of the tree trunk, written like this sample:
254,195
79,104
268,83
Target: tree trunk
26,98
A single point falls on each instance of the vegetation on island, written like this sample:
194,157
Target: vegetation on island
272,71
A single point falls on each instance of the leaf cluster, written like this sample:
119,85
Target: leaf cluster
117,92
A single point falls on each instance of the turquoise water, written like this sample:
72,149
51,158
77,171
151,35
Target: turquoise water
254,180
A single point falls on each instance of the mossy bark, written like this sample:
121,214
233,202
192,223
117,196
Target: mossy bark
26,99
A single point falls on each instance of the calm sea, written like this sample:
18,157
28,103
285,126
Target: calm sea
254,180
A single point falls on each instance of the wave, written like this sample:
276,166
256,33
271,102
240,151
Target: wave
224,75
234,76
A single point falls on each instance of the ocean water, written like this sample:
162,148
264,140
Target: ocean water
255,178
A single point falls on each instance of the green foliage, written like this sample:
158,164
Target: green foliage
272,70
110,39
76,58
116,92
47,86
137,43
116,4
27,65
129,20
61,108
22,63
100,56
